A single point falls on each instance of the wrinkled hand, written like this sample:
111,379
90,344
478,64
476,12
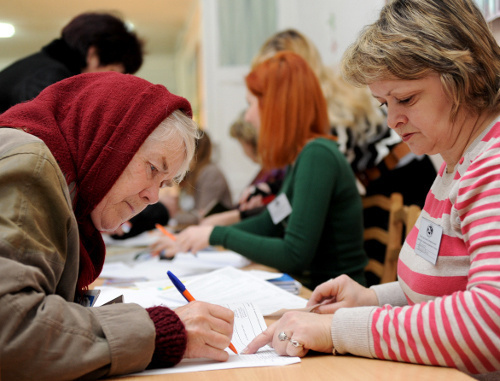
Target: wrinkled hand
209,330
339,293
309,329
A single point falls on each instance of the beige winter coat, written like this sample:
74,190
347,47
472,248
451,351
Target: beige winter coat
43,334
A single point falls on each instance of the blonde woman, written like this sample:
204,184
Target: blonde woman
434,66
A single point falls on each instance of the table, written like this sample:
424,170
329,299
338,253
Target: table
318,366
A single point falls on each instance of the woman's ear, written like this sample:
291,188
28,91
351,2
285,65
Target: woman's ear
92,60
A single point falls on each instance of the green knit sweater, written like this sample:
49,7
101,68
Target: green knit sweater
323,236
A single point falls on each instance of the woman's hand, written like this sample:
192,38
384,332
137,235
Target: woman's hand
193,239
255,192
209,329
223,219
254,202
339,293
165,245
306,330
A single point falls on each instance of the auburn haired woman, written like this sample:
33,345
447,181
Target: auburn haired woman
313,229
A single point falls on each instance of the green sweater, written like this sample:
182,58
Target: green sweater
323,236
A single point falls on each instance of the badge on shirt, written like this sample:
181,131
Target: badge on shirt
279,208
428,240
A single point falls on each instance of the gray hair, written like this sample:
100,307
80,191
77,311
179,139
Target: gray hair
178,123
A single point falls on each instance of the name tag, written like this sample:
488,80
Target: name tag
279,208
428,240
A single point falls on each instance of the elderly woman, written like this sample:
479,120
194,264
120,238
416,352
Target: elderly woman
84,156
435,66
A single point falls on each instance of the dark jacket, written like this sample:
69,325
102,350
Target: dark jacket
26,78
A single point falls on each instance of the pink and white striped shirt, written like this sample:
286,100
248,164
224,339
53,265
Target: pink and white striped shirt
446,314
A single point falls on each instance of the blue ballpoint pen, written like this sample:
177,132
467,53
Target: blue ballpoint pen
182,289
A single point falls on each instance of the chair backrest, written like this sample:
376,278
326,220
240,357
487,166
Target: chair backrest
400,217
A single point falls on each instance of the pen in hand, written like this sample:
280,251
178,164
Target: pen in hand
166,232
187,295
169,235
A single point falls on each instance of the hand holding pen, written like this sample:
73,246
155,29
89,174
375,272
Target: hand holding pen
186,294
166,232
164,247
192,239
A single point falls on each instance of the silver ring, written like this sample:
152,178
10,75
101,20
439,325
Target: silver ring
295,343
282,336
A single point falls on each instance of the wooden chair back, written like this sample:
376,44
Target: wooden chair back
401,218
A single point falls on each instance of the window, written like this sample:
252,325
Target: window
244,25
490,8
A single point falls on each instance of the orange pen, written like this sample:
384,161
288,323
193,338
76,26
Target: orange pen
165,231
182,289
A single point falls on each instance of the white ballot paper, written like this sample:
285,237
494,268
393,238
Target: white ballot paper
182,265
230,285
223,286
248,323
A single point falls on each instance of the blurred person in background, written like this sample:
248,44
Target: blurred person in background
263,187
381,161
90,42
313,229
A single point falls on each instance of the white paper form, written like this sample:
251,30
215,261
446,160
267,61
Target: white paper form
144,239
224,286
248,323
228,285
182,265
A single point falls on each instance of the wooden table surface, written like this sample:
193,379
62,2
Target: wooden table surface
318,366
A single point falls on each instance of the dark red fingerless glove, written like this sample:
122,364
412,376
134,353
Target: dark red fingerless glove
171,337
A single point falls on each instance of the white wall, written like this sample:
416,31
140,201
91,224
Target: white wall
331,24
159,69
224,99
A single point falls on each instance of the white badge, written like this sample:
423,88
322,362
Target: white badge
428,240
279,208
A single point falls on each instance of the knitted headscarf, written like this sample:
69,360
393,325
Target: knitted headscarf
94,124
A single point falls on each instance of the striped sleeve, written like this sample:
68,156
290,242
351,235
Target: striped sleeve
453,313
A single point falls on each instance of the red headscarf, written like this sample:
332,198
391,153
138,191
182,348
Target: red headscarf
94,124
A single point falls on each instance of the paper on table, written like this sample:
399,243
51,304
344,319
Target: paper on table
228,285
266,275
222,286
144,239
248,323
182,265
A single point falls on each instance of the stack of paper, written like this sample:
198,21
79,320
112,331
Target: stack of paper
223,286
153,268
286,282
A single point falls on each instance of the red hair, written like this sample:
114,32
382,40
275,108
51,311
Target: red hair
291,105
